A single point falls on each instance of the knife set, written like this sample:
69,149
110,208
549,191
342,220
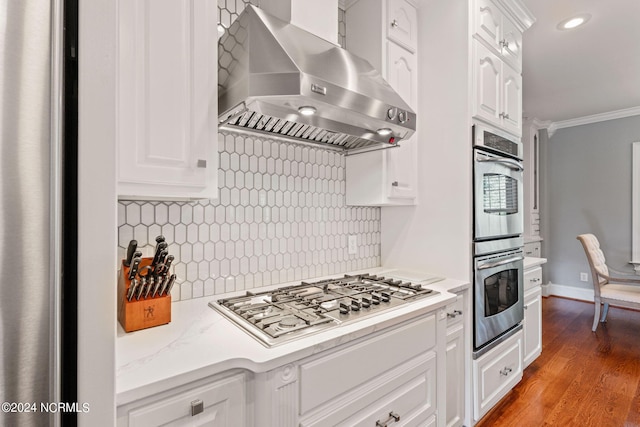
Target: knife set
144,288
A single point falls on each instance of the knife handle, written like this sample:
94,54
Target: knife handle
143,284
150,285
163,284
134,267
172,280
161,247
131,249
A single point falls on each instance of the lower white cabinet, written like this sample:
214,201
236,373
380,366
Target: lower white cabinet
532,249
220,402
388,379
532,324
495,373
455,361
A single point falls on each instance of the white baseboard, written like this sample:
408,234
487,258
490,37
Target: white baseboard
553,289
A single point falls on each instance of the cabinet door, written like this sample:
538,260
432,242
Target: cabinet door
511,100
455,376
167,90
532,325
401,174
487,84
511,47
488,23
402,25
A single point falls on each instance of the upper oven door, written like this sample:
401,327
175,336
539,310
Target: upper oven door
498,200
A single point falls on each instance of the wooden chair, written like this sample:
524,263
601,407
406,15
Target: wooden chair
621,291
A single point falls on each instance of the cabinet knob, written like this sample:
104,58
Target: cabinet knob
506,371
197,407
395,184
455,314
394,23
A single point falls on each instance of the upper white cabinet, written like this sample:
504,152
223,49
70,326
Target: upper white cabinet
384,32
497,90
496,29
402,24
497,62
167,99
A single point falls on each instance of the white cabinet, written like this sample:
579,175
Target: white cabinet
384,32
402,21
531,145
455,361
532,249
495,29
497,91
220,402
532,324
167,99
495,373
360,383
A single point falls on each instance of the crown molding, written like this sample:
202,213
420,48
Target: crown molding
523,18
595,118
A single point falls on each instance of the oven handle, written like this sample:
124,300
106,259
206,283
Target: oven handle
485,265
512,164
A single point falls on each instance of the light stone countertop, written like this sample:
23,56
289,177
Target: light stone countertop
200,342
530,262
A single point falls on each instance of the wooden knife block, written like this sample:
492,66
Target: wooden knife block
144,313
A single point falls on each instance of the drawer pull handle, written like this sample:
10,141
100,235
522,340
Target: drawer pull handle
393,417
506,371
197,407
455,314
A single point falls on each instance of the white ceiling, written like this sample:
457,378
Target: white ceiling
592,69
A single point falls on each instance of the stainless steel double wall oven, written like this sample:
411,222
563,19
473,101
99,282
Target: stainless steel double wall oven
498,243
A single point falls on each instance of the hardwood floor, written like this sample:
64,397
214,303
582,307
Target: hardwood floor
582,378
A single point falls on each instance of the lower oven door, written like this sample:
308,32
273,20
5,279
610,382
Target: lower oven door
498,295
497,193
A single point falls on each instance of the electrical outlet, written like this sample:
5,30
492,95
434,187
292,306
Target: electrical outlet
353,244
584,277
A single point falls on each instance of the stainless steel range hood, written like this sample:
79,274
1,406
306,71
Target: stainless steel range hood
270,72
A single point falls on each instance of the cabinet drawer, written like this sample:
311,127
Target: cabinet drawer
455,311
409,392
222,405
532,278
329,376
532,249
495,373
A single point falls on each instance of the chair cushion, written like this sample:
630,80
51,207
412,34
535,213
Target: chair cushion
626,293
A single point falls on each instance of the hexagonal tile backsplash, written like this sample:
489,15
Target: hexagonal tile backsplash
280,217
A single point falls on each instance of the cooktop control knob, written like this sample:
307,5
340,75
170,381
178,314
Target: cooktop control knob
355,305
376,298
366,302
386,297
391,113
344,308
402,116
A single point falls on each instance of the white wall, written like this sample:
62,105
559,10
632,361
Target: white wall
588,190
435,236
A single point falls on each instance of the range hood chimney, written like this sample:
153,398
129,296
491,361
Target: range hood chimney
277,79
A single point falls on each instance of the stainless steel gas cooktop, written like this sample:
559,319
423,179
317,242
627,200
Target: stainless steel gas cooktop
285,314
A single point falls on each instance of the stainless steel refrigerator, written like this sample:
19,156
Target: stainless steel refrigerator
33,196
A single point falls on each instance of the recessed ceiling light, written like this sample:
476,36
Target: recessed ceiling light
307,110
574,21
